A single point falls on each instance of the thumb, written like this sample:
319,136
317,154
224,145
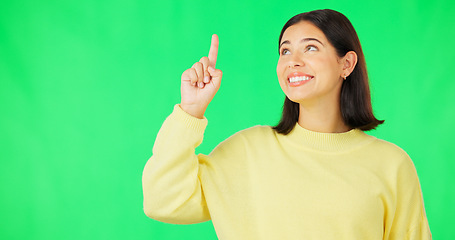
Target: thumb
216,74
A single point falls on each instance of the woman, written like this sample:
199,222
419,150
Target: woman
316,175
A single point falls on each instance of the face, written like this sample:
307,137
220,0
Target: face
308,68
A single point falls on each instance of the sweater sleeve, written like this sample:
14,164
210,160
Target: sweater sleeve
410,221
170,180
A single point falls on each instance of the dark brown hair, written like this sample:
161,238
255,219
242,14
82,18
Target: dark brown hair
355,100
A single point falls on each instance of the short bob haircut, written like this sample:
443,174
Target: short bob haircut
355,100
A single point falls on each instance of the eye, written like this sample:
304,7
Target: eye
285,51
311,48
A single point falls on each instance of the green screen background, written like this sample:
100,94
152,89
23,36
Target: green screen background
85,86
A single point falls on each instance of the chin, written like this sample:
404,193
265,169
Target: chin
297,96
297,99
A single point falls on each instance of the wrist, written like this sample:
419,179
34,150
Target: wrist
193,110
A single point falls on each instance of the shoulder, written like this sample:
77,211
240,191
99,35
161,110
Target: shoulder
257,135
256,131
388,148
391,153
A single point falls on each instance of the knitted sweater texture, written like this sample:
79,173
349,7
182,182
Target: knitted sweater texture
259,184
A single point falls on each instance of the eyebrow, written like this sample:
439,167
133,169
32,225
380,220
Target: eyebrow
303,40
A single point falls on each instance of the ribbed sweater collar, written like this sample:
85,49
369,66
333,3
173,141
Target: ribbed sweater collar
332,142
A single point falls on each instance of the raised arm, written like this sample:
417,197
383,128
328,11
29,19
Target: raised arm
171,185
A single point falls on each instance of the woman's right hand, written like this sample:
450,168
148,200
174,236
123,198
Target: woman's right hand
201,82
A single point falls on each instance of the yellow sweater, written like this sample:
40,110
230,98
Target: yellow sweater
258,184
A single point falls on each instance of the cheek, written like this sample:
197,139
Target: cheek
325,66
332,65
279,69
280,73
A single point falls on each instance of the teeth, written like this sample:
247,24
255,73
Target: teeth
298,79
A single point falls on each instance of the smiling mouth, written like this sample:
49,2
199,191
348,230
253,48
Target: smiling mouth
298,79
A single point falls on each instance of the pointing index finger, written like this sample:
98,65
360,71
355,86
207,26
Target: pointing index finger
213,53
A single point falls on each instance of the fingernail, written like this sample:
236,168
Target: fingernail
206,79
200,84
211,68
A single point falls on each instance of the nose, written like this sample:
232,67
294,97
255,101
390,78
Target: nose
295,61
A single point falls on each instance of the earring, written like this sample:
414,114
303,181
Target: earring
344,77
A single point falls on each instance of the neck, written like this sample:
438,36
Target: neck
322,117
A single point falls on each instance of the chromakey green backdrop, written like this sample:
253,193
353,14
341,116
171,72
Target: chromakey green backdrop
85,86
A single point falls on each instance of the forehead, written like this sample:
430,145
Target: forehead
302,30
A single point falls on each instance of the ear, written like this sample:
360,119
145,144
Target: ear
349,62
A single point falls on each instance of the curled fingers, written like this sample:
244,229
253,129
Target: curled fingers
201,70
198,68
